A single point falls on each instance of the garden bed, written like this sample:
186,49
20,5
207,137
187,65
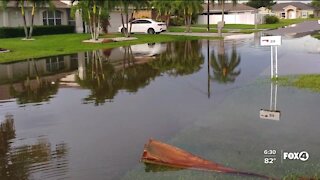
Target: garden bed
4,50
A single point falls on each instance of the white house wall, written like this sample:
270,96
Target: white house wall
15,20
245,18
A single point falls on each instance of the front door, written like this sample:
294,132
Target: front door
292,14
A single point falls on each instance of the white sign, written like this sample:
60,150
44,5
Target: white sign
270,41
270,115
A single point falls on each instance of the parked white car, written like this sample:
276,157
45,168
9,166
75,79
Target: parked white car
145,26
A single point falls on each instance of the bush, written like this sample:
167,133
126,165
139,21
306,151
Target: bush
177,21
270,19
311,16
11,32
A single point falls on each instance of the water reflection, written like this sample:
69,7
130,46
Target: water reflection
38,160
105,78
272,113
181,58
103,72
225,66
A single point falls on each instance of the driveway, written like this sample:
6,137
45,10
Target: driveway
301,28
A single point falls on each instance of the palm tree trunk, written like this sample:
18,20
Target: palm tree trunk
131,22
122,20
168,20
98,24
94,23
24,21
32,21
90,23
127,22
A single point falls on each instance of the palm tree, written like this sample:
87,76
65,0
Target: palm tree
92,12
35,4
125,5
222,3
189,8
165,8
225,67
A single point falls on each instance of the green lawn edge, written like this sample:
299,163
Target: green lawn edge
309,82
53,45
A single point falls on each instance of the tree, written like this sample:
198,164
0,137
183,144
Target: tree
165,8
92,11
222,3
315,3
125,5
189,8
22,5
261,3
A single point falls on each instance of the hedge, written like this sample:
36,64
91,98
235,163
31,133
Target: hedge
11,32
271,19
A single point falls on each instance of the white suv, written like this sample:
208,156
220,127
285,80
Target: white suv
145,26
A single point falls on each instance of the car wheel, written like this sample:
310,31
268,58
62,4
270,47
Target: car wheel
123,30
151,31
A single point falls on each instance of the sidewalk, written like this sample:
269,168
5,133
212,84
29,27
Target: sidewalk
198,34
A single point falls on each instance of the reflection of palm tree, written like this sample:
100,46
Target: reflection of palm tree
22,161
105,80
224,67
181,58
38,91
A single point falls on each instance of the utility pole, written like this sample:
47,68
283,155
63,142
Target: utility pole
208,16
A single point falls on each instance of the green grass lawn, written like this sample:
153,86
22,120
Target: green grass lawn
72,43
310,82
283,22
317,36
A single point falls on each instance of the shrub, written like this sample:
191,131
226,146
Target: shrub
177,21
11,32
270,19
311,16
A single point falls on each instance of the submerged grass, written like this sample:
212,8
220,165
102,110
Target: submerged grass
53,45
310,82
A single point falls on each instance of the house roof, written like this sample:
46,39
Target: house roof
56,3
229,7
299,5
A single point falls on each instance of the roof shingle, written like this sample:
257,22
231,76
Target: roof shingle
299,5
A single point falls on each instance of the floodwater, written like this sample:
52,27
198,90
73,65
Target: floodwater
88,115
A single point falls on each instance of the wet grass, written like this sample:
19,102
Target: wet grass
53,45
310,82
317,36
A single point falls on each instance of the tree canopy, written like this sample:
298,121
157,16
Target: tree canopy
261,3
315,3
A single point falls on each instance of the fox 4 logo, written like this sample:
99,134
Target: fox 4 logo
302,156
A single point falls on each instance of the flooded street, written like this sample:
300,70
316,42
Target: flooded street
88,115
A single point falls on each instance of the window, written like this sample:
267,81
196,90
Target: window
304,14
283,15
52,18
145,22
55,64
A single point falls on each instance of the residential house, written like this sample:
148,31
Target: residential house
60,15
234,14
293,10
264,10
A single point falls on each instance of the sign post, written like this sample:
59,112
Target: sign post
273,42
